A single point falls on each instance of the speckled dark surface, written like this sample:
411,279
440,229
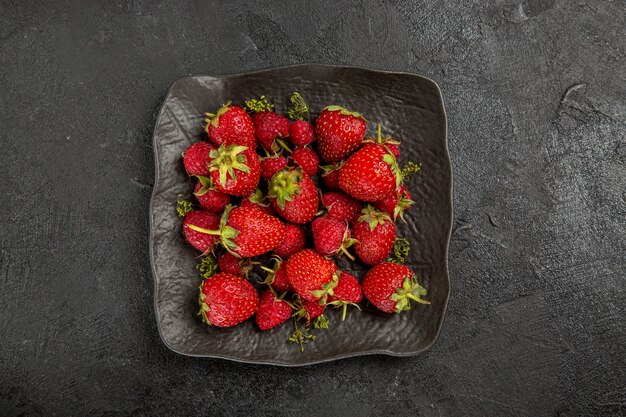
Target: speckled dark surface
535,99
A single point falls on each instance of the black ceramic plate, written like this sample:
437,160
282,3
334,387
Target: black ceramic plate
410,108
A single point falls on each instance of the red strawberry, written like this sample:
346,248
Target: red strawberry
311,311
247,231
311,275
209,198
227,300
272,311
395,203
293,241
391,287
331,237
258,200
235,170
271,165
370,173
270,126
347,291
293,195
205,220
391,144
301,133
330,176
340,206
196,158
376,234
307,159
231,264
277,277
339,132
230,126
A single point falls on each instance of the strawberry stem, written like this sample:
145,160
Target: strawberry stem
345,251
203,230
417,299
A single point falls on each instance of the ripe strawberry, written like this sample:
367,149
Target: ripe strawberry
272,311
210,199
196,158
230,126
331,237
376,234
340,206
227,300
395,203
293,195
330,176
391,144
311,311
370,173
347,292
246,231
258,200
301,133
235,170
339,132
311,275
307,159
231,264
203,219
293,241
390,287
270,126
271,165
277,277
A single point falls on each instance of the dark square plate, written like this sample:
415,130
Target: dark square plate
410,108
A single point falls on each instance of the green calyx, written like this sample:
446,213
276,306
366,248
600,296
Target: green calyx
299,109
207,184
401,206
401,250
327,289
259,105
285,185
227,159
373,217
204,307
327,169
346,243
207,266
225,232
393,166
214,119
258,197
410,290
345,112
271,272
183,206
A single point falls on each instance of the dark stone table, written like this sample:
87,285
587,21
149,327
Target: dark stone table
535,94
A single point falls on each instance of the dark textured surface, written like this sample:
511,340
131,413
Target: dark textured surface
413,112
535,101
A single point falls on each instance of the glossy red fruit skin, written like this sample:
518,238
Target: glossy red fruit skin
269,126
258,232
229,263
331,180
340,206
271,165
268,209
245,183
338,134
302,208
365,176
214,200
380,283
281,280
293,241
307,271
307,159
313,308
272,311
206,220
373,246
230,299
348,289
301,133
390,201
234,127
196,158
328,235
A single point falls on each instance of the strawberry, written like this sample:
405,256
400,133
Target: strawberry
376,234
311,311
271,165
272,311
395,203
196,158
246,231
391,287
339,132
391,144
227,300
370,173
203,219
277,277
347,292
340,207
301,133
210,199
307,159
293,241
258,200
269,127
311,275
235,170
231,264
330,176
293,195
230,126
331,237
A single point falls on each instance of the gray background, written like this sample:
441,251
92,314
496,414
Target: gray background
535,98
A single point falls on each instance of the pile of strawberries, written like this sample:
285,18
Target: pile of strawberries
260,190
